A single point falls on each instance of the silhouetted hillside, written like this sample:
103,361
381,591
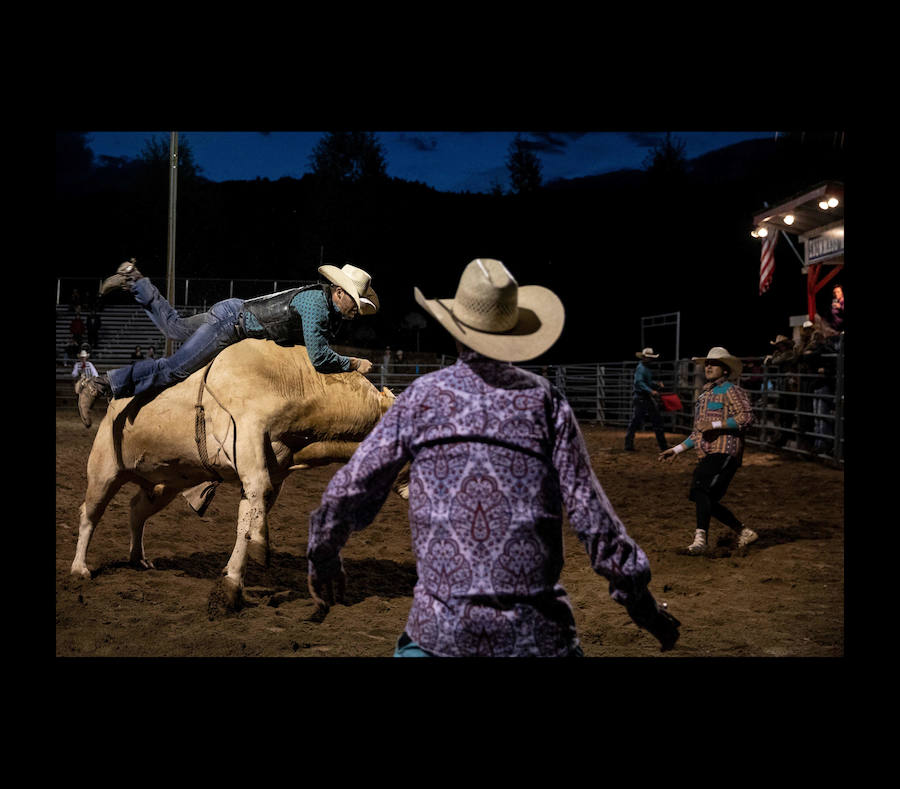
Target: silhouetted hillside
615,247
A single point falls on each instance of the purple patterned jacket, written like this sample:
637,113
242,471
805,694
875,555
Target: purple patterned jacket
496,453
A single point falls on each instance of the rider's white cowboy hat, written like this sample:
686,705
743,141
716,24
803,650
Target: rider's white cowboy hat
495,316
647,353
719,354
356,282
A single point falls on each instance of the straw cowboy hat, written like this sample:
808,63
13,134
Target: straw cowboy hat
83,354
647,353
780,339
356,282
495,316
720,355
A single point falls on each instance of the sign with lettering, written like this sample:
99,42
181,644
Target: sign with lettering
827,244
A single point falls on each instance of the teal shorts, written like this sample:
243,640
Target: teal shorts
406,647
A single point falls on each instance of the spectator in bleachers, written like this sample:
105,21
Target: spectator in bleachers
93,328
151,352
387,361
77,327
72,350
75,300
784,359
137,354
644,396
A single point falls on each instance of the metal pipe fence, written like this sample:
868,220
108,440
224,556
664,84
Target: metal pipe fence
800,412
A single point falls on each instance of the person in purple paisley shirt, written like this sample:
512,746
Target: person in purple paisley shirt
496,454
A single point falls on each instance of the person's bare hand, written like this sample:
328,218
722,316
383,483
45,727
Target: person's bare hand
363,365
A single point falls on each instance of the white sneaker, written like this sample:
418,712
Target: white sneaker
699,543
746,537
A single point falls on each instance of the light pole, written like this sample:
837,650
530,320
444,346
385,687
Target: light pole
173,192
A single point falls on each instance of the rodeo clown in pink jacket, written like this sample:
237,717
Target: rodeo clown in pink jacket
721,416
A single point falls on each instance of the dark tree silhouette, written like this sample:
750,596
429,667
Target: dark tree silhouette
524,167
155,153
667,158
348,157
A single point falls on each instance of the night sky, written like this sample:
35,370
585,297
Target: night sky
449,161
475,161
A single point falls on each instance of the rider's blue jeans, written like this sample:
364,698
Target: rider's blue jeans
202,336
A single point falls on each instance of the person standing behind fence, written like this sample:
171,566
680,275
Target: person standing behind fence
399,365
644,397
808,349
821,374
722,414
785,359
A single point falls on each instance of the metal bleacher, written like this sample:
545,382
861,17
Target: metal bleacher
123,326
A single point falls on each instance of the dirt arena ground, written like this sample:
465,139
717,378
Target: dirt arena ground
782,597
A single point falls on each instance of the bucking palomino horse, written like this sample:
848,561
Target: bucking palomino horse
256,413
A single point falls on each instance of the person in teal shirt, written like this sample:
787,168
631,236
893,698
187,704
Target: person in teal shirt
644,400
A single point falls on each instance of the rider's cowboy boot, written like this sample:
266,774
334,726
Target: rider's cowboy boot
124,277
93,387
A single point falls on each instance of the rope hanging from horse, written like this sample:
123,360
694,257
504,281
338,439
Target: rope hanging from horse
200,427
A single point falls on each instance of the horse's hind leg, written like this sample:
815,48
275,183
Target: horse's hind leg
146,502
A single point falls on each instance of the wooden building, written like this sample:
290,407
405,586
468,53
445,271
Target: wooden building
816,218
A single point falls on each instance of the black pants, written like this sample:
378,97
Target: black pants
712,476
644,409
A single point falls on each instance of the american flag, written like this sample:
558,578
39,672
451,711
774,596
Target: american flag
767,262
